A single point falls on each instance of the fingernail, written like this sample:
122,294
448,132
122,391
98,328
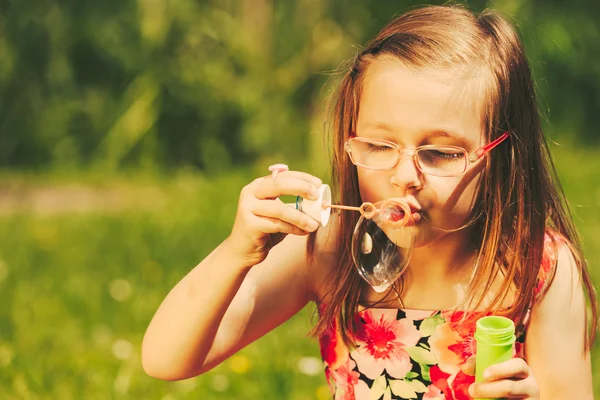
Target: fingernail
317,182
487,375
472,391
314,193
312,225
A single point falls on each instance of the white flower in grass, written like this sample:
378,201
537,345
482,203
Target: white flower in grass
101,334
3,270
6,355
120,289
122,383
186,386
220,383
239,364
311,366
122,349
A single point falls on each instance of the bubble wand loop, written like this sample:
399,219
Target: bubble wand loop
394,208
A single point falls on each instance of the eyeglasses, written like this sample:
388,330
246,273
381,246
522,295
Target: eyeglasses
430,159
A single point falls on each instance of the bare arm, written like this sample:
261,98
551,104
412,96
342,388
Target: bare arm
240,291
554,345
220,307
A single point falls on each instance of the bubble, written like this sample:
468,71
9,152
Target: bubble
382,243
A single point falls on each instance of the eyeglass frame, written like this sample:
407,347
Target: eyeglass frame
469,160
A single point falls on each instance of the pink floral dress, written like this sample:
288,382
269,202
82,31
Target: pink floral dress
410,354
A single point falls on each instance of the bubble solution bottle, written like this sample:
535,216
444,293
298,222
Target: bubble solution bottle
495,338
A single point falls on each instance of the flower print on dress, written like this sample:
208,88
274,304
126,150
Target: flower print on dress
346,384
440,342
464,324
459,385
433,393
454,386
552,240
333,349
382,343
418,315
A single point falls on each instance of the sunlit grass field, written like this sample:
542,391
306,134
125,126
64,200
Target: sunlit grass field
82,271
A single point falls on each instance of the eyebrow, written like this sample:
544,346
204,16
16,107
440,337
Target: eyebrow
452,135
430,134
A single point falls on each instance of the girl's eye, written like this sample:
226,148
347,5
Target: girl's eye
374,148
444,160
446,155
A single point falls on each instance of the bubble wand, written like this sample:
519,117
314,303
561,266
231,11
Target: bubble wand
381,243
395,212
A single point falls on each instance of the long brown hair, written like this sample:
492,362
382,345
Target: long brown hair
520,197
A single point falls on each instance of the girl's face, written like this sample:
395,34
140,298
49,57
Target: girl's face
413,109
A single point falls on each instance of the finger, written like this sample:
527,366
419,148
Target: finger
468,367
276,209
274,225
515,368
299,175
273,188
506,388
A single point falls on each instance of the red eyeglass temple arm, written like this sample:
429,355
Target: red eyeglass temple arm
481,152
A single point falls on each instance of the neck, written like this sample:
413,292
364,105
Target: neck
451,256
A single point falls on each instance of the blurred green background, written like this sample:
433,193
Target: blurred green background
127,129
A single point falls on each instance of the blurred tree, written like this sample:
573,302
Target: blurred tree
211,84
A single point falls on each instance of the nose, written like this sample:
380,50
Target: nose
406,175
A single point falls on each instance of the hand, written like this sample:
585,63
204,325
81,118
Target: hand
510,379
262,220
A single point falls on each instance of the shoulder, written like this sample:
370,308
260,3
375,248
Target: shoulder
555,340
557,258
560,297
563,280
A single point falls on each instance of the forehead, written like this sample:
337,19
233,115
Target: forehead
406,105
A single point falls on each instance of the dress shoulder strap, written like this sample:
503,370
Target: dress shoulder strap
552,242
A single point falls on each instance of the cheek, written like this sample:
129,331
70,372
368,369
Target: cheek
459,198
370,184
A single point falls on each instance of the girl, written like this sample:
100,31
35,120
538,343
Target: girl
492,233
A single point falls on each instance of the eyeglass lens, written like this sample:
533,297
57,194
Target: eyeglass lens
440,160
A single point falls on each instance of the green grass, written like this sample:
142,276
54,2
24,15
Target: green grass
78,288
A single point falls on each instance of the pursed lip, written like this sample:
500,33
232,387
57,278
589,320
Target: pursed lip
415,217
415,213
414,208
